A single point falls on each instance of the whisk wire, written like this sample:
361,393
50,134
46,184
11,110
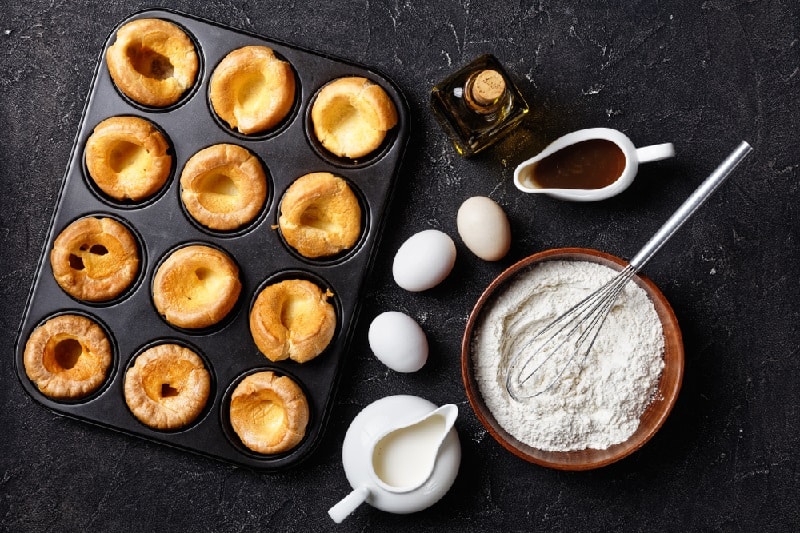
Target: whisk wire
592,309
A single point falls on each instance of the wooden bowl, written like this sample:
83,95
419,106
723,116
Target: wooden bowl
654,416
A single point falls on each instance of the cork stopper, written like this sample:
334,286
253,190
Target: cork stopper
487,86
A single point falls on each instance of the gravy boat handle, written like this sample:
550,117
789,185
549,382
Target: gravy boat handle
655,152
348,504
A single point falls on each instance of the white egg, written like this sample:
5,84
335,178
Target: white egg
398,341
484,228
424,260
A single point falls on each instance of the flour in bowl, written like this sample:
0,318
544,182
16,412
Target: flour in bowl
597,402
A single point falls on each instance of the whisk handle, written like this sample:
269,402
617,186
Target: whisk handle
691,204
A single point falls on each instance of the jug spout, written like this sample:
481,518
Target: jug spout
523,177
404,458
450,413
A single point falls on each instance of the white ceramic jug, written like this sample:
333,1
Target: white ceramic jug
523,175
401,454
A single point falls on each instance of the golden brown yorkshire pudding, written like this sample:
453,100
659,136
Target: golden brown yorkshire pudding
67,357
351,116
269,413
127,158
223,186
152,61
252,90
196,286
292,320
320,215
167,387
95,259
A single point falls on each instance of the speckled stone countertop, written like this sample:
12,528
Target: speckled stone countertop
703,75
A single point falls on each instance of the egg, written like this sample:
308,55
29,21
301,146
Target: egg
398,341
484,228
424,260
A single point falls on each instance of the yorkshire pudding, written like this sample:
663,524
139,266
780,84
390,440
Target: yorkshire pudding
269,413
292,320
252,90
351,116
94,259
167,386
127,158
320,215
152,61
196,286
67,357
223,186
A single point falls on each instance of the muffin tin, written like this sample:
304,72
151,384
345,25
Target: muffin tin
161,224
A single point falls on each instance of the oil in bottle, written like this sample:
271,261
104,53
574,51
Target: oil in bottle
478,105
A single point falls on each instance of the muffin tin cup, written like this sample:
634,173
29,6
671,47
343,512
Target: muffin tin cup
269,133
140,248
247,226
162,224
112,367
340,161
128,204
206,362
344,255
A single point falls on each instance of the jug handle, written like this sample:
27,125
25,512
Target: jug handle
655,152
348,504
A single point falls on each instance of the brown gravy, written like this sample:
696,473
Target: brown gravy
591,164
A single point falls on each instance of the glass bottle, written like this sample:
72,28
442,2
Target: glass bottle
478,105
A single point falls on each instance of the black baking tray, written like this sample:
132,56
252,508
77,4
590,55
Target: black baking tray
161,225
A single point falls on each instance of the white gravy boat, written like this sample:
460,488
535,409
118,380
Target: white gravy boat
525,172
401,454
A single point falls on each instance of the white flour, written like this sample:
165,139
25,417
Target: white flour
597,402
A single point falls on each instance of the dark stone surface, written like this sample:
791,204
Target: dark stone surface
704,75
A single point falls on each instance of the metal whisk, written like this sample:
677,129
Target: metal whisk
577,329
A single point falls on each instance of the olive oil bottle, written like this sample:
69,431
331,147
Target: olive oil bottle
478,105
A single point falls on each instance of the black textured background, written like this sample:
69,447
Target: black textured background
704,75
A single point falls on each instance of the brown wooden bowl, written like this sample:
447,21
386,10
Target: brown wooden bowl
654,416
